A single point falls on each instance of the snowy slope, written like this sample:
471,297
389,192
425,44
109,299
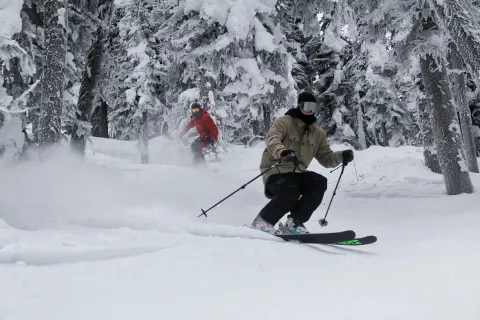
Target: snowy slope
123,241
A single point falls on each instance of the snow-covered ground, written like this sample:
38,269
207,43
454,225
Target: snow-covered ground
113,239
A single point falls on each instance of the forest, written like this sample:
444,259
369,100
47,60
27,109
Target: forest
386,73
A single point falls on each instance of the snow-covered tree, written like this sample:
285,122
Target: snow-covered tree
31,39
473,98
429,147
132,91
319,66
88,89
83,17
16,69
458,76
242,54
445,123
380,109
423,29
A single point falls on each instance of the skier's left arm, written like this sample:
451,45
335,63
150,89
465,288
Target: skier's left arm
324,155
212,127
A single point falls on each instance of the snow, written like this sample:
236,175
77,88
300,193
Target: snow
189,96
10,21
120,3
236,87
61,17
109,238
138,50
70,60
222,113
222,42
476,131
237,15
263,39
378,54
348,131
130,95
11,138
5,99
333,41
337,117
253,74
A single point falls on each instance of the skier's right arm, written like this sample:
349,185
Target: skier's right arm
189,126
274,138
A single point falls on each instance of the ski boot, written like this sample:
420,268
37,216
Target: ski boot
295,228
260,224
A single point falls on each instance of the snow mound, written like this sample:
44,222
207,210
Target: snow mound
120,233
38,194
4,225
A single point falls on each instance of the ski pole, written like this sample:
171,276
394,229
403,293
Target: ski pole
323,222
204,212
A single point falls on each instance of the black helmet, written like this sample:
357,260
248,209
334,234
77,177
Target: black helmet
307,102
196,109
195,105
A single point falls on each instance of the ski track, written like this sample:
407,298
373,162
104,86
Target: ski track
132,247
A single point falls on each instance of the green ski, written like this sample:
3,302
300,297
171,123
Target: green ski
358,241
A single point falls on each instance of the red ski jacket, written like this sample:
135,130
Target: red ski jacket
205,126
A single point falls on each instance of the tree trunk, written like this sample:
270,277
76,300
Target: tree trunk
362,138
460,92
425,124
278,98
99,121
143,141
87,94
383,129
267,120
445,126
53,74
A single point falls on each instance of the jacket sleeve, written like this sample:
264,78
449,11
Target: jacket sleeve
275,136
325,156
212,128
189,126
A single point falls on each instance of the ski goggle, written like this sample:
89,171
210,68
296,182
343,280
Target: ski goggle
196,110
310,107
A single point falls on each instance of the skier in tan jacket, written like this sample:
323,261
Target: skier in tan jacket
295,139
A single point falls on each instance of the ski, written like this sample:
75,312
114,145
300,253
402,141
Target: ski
319,238
358,241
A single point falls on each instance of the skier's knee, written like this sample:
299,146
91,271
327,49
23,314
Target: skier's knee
285,189
320,183
196,147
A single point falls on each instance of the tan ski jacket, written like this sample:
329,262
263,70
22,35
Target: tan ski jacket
308,142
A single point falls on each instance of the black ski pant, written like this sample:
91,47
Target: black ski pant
197,147
297,193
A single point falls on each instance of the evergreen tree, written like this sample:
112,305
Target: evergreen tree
91,74
417,28
16,69
241,57
132,91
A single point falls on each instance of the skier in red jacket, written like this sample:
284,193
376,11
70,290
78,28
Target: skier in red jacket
206,128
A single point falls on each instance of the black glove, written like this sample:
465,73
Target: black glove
347,156
289,156
213,144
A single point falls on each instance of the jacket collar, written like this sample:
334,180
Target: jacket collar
297,114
